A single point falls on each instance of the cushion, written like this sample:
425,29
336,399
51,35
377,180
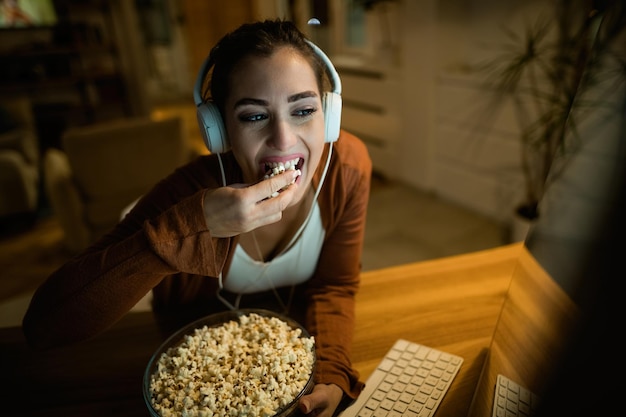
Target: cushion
124,158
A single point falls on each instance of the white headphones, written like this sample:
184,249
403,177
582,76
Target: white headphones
212,126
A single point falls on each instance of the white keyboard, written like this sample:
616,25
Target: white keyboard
410,380
513,400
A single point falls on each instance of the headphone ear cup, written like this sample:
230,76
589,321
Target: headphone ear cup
331,103
212,128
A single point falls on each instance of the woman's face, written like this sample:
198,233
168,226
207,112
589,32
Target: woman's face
274,114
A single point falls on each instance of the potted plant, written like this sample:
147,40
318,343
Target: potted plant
557,73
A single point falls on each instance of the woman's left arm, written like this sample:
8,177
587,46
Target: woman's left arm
331,292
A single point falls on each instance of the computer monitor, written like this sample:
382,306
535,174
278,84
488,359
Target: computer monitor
593,356
558,330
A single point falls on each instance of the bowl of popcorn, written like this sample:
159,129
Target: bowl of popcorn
247,362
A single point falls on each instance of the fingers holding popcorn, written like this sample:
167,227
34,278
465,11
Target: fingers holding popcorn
276,183
239,208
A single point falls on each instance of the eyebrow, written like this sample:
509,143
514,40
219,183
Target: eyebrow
293,98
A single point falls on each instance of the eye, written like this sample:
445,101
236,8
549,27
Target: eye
256,117
305,112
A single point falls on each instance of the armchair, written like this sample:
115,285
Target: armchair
104,167
19,158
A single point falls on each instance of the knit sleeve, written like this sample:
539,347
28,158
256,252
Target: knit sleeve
165,234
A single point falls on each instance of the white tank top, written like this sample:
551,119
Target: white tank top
292,267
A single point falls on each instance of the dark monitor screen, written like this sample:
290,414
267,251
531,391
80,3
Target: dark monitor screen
593,276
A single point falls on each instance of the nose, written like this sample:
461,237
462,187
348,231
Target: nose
283,135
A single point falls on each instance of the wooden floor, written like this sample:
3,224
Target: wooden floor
29,252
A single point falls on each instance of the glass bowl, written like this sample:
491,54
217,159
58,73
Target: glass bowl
216,320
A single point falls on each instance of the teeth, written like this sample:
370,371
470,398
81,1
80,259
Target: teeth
275,168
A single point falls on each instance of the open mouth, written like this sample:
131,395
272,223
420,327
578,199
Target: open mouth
275,168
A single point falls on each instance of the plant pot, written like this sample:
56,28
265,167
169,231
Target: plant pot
521,226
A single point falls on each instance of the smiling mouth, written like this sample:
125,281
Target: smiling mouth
275,168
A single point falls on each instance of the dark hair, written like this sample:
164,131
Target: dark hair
255,39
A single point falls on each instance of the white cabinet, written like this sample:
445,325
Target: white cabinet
371,100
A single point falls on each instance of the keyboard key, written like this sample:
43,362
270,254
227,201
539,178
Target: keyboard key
429,403
415,407
401,344
393,355
385,386
400,406
386,364
399,387
395,370
378,395
412,389
406,398
386,404
404,378
372,404
393,395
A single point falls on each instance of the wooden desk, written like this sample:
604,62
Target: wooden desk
450,304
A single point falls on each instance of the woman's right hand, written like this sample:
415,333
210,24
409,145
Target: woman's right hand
239,208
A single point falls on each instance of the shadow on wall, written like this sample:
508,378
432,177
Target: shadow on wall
572,226
601,268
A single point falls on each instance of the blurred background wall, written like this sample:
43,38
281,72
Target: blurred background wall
406,65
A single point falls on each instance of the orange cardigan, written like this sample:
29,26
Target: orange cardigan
163,246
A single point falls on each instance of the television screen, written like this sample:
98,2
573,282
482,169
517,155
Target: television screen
27,13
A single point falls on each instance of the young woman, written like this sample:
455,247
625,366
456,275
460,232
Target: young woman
223,231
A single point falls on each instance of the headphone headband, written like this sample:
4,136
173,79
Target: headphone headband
197,89
332,72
